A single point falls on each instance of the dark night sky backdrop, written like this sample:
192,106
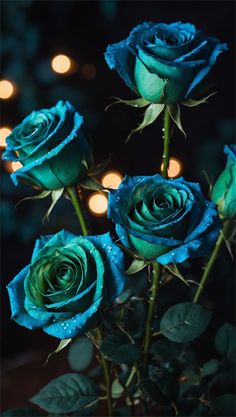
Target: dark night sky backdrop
33,32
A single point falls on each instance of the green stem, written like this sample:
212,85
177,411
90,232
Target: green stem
107,377
152,302
132,373
166,150
72,191
224,234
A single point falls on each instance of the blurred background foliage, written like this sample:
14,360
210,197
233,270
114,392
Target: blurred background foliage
33,33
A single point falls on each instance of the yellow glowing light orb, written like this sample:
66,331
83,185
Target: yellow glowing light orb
98,203
175,168
61,64
13,166
6,89
4,132
88,71
112,180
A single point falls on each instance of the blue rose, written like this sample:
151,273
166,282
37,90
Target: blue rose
163,63
224,190
51,146
69,280
164,219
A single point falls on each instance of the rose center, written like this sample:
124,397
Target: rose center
30,130
162,203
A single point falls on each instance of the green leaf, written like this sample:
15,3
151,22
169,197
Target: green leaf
80,354
139,102
116,389
166,349
193,103
91,183
224,405
63,343
225,341
88,410
150,115
174,111
69,392
136,266
21,412
210,367
152,390
174,270
119,349
190,376
184,322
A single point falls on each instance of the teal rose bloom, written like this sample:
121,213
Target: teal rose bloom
51,146
224,191
163,63
69,280
164,219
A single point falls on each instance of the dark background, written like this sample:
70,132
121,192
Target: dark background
32,33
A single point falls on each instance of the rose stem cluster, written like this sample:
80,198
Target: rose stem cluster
166,150
72,191
155,265
224,235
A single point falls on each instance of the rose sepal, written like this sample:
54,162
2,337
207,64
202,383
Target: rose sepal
138,102
152,112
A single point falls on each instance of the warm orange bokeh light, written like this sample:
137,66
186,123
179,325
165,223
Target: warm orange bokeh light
12,166
112,180
4,132
98,203
88,71
61,64
175,168
6,89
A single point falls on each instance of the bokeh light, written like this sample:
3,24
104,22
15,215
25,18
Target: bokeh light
98,203
88,71
4,132
112,180
6,89
13,166
175,168
61,64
